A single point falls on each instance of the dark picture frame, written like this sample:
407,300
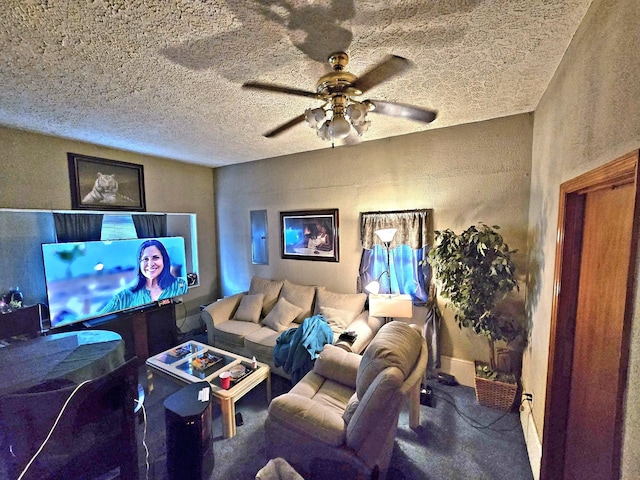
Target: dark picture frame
310,235
103,184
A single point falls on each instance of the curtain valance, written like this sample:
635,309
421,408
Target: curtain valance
415,227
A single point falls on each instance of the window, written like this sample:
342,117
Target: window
117,227
401,268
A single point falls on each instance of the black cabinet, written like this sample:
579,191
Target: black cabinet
161,329
145,332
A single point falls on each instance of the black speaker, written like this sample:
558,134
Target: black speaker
188,431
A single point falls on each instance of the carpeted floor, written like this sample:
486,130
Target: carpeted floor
444,447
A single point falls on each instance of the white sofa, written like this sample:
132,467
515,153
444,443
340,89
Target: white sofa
249,323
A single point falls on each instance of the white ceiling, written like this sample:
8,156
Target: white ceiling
163,77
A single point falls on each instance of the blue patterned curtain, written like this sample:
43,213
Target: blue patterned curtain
407,271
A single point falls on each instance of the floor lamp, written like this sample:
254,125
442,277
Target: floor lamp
388,305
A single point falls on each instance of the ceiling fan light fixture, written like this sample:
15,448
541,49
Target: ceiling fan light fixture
357,112
315,116
337,90
362,127
339,127
323,131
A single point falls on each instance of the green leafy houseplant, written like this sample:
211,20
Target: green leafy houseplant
474,270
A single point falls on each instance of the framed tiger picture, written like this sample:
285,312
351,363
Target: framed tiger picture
102,184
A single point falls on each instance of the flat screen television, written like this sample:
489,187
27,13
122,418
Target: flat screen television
88,280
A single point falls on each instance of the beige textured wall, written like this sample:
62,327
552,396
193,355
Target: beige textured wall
589,115
469,173
35,175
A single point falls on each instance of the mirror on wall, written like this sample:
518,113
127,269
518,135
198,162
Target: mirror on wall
259,238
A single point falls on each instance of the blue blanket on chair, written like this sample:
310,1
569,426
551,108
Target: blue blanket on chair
297,348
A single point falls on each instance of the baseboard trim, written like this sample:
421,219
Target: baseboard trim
531,439
463,370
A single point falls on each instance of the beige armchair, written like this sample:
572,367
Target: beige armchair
340,420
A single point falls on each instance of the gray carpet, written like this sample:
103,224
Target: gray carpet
444,447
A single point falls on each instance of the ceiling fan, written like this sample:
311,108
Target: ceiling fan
342,112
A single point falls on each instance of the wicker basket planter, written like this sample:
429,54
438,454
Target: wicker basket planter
495,394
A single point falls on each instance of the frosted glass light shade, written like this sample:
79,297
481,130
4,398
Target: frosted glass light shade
323,131
339,127
357,112
373,287
362,127
314,116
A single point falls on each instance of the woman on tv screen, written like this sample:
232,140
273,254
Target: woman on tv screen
154,280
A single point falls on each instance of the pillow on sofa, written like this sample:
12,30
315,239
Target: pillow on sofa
270,289
301,296
337,319
250,308
354,302
281,316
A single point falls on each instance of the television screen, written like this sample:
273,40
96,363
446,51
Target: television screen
86,280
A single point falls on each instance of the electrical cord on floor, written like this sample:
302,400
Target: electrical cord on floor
144,435
55,424
471,421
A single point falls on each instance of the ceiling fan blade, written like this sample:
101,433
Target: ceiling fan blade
285,126
404,111
391,66
279,89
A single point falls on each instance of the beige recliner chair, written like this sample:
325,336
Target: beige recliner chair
340,420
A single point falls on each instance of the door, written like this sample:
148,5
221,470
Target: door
606,244
590,324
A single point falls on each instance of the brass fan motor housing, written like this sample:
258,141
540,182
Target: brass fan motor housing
339,80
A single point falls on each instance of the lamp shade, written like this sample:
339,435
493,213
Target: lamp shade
339,127
392,306
386,234
373,287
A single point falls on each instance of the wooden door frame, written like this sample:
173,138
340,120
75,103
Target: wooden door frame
621,171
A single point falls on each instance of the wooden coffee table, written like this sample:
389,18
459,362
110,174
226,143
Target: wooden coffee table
183,364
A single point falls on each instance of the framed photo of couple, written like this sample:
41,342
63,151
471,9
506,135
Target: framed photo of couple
310,235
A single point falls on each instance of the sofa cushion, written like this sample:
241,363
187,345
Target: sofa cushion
301,296
261,342
234,331
337,318
353,302
282,315
395,345
270,289
250,308
306,416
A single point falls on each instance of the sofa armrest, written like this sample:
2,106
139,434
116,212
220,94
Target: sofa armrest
338,365
219,311
366,327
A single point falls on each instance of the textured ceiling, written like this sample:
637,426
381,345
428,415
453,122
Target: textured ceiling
164,77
